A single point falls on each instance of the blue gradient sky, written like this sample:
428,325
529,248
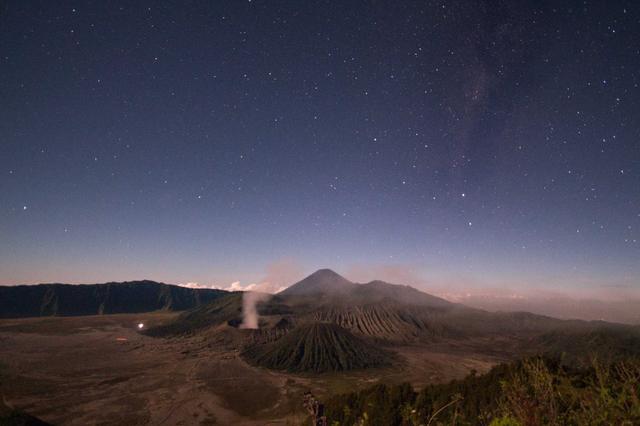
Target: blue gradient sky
204,142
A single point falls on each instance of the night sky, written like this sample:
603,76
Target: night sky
467,141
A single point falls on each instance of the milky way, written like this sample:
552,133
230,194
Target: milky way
201,141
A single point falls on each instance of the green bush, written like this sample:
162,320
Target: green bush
534,391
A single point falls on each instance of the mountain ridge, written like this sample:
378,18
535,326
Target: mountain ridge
329,284
55,299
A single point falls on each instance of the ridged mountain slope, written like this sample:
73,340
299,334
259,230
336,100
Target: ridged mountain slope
317,348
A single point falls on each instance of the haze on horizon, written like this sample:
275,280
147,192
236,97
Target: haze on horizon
613,304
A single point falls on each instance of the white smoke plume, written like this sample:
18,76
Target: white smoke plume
250,300
279,275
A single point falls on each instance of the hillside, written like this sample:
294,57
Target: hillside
379,291
227,308
98,299
600,340
317,348
389,321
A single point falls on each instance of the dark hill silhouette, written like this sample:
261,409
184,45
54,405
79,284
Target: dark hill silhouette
13,417
318,348
97,299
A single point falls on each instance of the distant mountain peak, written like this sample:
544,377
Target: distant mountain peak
325,282
326,273
322,281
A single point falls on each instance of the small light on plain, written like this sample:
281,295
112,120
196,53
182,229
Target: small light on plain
140,326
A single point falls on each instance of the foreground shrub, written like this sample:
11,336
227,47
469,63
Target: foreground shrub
532,392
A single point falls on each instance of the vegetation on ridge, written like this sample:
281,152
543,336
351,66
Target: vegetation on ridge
535,391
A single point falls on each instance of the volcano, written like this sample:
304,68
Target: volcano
327,323
318,348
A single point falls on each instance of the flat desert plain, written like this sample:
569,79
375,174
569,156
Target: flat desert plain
101,370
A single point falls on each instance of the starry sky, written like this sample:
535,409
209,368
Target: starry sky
199,141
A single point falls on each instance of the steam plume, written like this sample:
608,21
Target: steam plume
279,274
250,300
